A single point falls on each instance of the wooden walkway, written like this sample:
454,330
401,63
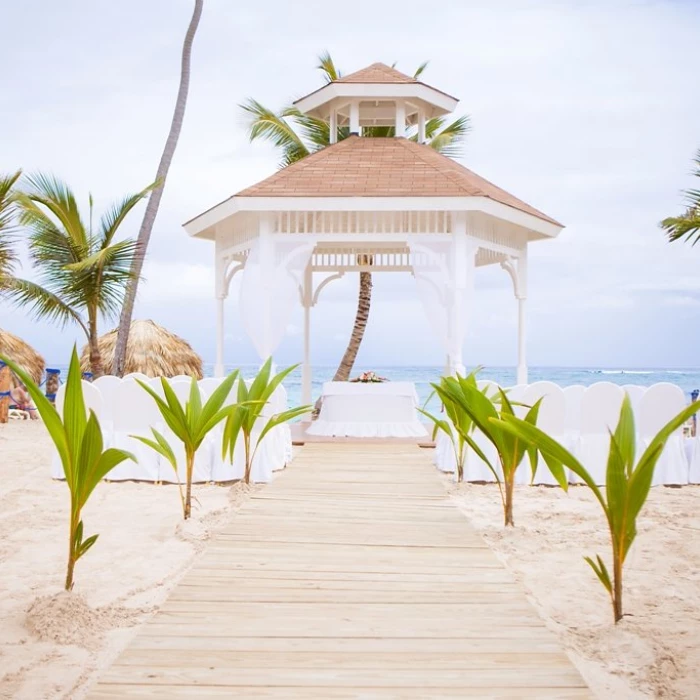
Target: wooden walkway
352,575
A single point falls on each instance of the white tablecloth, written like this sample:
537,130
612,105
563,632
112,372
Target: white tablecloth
368,410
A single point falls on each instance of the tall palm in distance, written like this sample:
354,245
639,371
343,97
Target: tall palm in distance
149,216
83,271
687,225
297,135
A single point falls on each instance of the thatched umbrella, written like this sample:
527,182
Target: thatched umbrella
24,355
151,350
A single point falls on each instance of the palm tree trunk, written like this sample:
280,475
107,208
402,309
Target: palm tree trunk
93,344
364,301
151,212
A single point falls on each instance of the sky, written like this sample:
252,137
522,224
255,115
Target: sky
587,110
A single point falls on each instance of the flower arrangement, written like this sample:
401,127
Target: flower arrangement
369,378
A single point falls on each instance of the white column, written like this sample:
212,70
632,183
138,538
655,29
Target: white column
400,118
221,292
267,266
219,365
461,265
355,117
521,294
306,367
421,126
334,126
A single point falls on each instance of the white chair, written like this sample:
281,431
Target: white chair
551,419
600,412
574,396
93,402
660,403
137,375
108,386
694,470
209,385
180,378
135,413
635,392
516,395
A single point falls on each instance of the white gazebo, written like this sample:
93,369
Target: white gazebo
375,204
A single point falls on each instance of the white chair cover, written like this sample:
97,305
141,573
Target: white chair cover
551,419
694,471
659,404
600,412
475,468
137,375
135,412
108,386
635,392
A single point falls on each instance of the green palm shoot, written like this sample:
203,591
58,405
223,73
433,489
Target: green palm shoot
247,414
78,439
627,483
455,435
465,401
190,424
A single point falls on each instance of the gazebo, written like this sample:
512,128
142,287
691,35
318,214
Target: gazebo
369,204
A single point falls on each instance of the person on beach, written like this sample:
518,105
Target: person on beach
21,399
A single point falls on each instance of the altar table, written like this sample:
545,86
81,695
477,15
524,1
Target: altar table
355,409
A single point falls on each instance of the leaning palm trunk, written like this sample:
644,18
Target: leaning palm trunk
364,302
149,216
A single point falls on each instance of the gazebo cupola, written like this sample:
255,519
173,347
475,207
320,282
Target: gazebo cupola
376,204
376,96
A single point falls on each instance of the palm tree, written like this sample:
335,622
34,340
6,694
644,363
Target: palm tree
151,212
83,272
8,257
687,225
296,135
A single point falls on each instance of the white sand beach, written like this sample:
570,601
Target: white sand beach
53,645
654,651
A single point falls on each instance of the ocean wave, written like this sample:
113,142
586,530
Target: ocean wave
620,371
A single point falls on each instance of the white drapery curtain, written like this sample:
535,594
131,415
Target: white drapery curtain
444,274
272,275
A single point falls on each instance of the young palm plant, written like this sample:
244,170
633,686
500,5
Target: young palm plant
467,402
190,424
627,482
248,413
454,416
78,439
84,271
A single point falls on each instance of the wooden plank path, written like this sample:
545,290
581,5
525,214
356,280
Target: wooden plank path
352,575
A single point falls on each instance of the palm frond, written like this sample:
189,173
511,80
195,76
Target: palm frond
420,69
448,140
687,225
42,302
263,123
112,219
8,256
327,67
58,200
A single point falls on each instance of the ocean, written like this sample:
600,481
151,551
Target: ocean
687,379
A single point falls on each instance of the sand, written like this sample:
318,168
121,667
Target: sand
654,652
54,644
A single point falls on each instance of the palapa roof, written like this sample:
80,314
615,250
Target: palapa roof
382,167
151,350
23,354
